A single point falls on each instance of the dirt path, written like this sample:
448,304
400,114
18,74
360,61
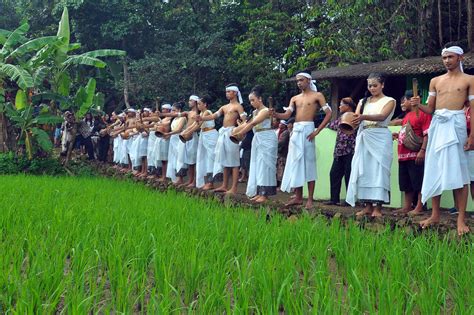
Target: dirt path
276,204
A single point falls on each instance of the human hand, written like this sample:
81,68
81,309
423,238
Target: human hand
312,135
357,119
395,135
420,157
415,101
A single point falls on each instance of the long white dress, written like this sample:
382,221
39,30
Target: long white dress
205,153
370,173
263,156
173,150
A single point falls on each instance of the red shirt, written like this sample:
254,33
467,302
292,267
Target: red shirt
420,126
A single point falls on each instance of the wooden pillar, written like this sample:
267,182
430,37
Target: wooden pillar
334,97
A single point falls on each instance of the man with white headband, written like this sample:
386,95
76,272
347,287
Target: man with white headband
227,158
187,151
300,165
446,162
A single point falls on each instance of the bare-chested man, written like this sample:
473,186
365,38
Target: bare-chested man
187,152
300,165
227,157
446,166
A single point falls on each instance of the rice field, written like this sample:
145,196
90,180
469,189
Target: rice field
79,245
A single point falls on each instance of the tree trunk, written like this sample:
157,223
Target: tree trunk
459,18
440,24
126,82
469,24
3,133
70,147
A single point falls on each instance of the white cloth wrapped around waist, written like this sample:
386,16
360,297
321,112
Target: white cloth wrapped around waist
263,158
373,173
151,150
446,162
172,157
205,155
226,152
300,165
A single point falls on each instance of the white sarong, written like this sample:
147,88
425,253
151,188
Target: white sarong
151,150
115,148
172,157
134,150
226,153
205,155
446,162
162,147
470,155
370,173
263,158
300,165
124,146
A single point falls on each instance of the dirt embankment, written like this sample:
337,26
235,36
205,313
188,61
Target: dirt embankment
277,205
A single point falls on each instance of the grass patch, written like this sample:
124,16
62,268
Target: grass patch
78,245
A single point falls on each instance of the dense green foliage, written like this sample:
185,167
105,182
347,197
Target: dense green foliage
177,48
82,245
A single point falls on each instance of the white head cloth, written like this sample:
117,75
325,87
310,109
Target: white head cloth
283,122
131,110
146,109
166,106
235,89
194,98
312,84
454,49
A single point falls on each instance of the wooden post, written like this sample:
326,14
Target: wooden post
469,24
334,97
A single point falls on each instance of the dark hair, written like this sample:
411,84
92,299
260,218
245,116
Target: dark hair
349,102
290,121
257,91
207,99
453,43
408,94
380,77
231,84
178,105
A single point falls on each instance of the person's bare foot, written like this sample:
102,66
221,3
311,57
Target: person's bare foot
261,199
462,227
254,198
208,186
294,202
363,213
415,212
231,192
401,211
309,204
376,214
190,185
429,222
220,189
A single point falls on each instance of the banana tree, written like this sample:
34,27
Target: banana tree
33,137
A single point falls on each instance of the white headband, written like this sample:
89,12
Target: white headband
146,109
456,50
312,84
235,89
131,110
166,106
194,98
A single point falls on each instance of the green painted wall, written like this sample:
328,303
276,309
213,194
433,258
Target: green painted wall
324,156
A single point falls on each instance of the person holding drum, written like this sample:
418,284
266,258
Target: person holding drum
343,151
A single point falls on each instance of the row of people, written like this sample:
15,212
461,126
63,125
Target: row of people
210,152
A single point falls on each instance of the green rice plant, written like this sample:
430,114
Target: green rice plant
80,245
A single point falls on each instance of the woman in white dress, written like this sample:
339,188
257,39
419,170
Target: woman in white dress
262,172
370,175
177,125
206,147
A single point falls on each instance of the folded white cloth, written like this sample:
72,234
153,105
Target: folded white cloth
205,155
300,165
370,169
162,148
172,157
263,156
151,150
446,162
227,152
